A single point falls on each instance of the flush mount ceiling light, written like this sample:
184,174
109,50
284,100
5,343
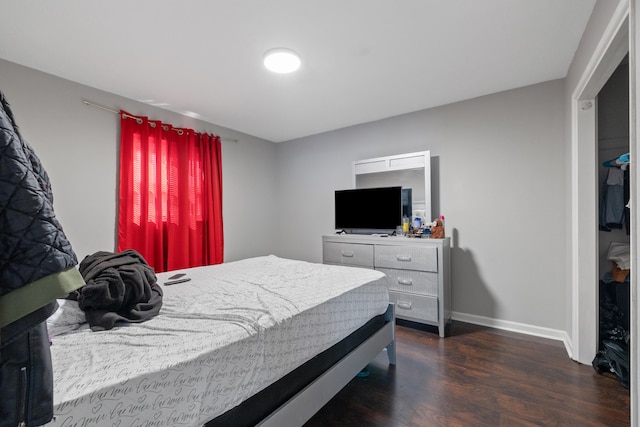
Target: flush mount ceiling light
281,60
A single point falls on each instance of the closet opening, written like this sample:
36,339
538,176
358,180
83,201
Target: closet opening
614,259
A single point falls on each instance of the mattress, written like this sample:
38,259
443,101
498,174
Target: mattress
229,332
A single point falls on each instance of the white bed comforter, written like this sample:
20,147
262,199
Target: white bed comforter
223,336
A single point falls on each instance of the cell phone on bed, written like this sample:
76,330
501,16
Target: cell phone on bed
177,278
175,282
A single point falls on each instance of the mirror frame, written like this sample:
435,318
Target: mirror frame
420,160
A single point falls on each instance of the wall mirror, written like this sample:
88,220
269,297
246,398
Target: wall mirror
411,170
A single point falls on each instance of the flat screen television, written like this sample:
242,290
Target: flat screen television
368,210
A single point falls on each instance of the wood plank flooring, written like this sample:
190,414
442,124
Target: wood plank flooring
477,377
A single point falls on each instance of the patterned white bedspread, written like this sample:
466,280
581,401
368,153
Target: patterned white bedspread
223,336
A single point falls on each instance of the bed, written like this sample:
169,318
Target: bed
230,339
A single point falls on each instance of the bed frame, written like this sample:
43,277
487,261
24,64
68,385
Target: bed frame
300,408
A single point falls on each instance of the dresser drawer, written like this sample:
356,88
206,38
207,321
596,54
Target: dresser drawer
415,307
417,282
348,254
407,257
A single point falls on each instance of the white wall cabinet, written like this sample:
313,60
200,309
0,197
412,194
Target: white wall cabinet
417,270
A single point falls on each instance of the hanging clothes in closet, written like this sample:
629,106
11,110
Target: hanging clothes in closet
614,206
614,297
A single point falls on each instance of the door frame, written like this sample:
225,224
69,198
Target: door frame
618,39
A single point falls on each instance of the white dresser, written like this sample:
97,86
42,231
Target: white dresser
417,271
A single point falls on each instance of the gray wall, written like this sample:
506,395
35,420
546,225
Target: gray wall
78,147
497,176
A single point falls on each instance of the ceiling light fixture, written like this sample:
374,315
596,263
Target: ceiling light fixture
281,60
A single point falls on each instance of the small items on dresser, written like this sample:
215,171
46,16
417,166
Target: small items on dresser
427,230
437,230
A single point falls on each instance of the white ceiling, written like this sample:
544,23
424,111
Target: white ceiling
363,60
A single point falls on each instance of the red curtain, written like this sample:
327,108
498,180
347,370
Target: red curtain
170,205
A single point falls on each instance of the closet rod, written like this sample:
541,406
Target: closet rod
91,104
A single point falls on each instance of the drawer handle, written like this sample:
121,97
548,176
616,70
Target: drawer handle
406,282
404,304
347,254
404,258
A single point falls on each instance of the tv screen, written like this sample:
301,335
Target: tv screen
365,209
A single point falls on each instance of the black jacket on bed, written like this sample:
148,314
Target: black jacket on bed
37,265
120,287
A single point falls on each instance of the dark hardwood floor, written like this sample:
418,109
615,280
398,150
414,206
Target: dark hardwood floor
477,376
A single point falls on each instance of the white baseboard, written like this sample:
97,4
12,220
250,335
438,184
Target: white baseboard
523,328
